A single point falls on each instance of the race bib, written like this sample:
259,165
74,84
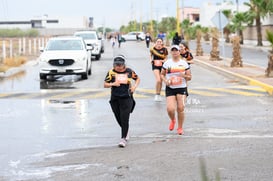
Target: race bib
176,80
158,63
122,78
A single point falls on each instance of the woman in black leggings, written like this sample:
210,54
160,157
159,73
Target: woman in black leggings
120,79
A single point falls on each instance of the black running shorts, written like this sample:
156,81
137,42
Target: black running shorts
173,92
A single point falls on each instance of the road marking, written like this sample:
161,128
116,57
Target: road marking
237,92
204,93
97,95
253,88
140,93
68,94
4,95
28,96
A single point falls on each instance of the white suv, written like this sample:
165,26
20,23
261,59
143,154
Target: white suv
133,35
65,56
91,38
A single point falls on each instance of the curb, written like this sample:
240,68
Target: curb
241,78
15,70
12,71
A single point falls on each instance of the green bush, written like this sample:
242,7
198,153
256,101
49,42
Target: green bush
269,37
11,33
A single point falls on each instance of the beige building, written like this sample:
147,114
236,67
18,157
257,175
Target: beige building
193,14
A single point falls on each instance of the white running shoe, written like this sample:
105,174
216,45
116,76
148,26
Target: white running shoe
157,98
122,143
127,136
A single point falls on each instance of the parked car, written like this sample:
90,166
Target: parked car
91,38
65,56
133,35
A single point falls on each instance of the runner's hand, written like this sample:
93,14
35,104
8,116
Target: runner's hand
132,89
116,84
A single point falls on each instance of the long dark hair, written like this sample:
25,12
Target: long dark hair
185,45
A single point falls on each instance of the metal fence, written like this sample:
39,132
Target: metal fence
14,47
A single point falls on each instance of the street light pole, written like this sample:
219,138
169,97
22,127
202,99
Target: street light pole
177,17
182,19
151,22
140,23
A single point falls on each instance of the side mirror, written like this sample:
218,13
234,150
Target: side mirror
89,47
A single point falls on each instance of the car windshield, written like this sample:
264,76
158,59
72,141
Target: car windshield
87,36
65,45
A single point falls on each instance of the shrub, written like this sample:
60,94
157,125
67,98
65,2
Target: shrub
14,62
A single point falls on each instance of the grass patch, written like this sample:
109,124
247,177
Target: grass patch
3,68
12,62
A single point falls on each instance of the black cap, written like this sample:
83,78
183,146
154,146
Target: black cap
119,60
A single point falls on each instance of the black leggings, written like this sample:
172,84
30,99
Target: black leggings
122,108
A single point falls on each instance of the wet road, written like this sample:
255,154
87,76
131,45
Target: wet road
40,118
249,55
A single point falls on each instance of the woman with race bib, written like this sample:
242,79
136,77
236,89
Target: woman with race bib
158,55
123,82
175,73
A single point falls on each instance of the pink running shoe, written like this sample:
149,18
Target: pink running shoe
122,143
180,131
171,125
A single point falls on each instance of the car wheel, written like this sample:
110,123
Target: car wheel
85,76
90,71
43,76
98,56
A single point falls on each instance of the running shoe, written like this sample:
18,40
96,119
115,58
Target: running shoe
127,136
122,143
171,126
157,98
180,131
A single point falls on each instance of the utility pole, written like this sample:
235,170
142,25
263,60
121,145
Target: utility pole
140,22
182,19
177,17
151,22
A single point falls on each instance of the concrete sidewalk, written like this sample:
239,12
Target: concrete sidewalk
248,74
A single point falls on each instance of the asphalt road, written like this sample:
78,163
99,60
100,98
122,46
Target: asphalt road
66,131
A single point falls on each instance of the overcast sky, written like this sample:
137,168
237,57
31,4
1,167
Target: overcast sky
112,13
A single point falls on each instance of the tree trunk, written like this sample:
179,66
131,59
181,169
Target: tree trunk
241,37
269,69
259,31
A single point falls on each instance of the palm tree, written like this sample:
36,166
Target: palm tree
186,30
205,31
227,32
237,25
167,25
269,70
259,9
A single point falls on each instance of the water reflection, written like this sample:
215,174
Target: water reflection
64,115
8,83
59,82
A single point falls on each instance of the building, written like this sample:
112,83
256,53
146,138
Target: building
190,13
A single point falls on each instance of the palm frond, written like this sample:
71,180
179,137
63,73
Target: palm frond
269,37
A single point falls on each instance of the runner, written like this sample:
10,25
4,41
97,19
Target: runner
185,53
119,79
148,39
175,73
158,55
